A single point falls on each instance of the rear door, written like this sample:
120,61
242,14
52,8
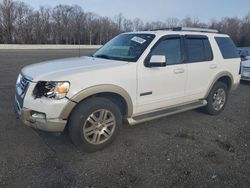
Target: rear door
201,66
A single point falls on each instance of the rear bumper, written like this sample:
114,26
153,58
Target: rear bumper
49,125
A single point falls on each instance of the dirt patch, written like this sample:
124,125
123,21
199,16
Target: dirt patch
225,145
184,136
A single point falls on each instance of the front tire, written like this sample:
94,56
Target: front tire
94,124
217,99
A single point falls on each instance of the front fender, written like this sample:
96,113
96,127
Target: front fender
105,88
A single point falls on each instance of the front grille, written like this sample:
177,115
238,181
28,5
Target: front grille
246,69
24,84
21,89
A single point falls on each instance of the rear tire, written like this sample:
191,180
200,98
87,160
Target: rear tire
94,124
217,99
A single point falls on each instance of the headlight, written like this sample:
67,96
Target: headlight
55,90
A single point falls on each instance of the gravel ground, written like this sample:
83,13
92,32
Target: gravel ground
190,149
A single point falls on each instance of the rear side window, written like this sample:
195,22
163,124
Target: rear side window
227,47
198,49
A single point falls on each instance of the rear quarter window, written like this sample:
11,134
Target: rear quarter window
227,47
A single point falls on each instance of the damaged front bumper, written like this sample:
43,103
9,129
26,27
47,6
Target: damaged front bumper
38,120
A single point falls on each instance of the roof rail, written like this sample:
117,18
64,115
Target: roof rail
190,29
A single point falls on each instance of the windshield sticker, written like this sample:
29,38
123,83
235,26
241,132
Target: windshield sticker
138,40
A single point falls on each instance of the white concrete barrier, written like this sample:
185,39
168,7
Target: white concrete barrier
45,47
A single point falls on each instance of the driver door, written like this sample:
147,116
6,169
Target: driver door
160,87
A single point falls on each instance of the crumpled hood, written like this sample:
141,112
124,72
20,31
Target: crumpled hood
58,69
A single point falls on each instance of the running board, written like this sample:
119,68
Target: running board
166,112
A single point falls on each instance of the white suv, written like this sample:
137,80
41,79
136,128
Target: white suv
137,76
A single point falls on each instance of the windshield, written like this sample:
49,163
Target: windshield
125,47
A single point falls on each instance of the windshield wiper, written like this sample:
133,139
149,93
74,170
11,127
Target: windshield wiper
103,56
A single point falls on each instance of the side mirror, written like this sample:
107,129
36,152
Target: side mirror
157,61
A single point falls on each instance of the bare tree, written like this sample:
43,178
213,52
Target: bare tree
65,24
1,27
138,24
90,26
23,12
172,22
119,20
127,25
9,15
78,21
231,26
45,16
244,38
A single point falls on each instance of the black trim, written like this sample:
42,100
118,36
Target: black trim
71,100
240,68
147,93
154,64
183,50
202,30
196,37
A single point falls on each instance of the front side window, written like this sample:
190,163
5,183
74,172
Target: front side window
170,48
125,47
198,49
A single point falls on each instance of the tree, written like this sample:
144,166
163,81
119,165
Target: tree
127,25
45,26
78,21
22,23
9,15
119,20
65,24
244,38
138,24
172,22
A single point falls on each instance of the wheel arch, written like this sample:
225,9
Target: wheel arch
225,77
112,92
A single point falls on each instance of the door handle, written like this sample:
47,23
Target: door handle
179,71
214,66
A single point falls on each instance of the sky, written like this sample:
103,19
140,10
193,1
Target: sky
157,10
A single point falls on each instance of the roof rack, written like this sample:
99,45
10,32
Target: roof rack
205,30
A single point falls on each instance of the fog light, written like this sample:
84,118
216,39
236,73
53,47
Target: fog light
38,115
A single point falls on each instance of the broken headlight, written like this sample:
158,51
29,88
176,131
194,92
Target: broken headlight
54,90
